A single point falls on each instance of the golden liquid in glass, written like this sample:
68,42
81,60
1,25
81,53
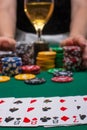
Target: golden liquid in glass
39,13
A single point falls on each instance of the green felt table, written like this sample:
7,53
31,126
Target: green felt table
18,89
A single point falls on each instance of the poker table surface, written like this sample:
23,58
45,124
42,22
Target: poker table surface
18,89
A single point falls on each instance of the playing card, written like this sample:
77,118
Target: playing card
16,112
5,103
33,113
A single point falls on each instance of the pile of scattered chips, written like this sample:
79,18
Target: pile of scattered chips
26,52
72,58
33,69
59,57
11,66
4,78
35,81
62,76
46,59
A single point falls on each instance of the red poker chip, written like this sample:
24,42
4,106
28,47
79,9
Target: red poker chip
62,79
31,69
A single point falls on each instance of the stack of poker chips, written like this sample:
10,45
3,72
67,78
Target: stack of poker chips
59,56
11,66
26,52
46,59
72,58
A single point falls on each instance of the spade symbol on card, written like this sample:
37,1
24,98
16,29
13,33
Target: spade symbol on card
46,108
26,120
18,102
8,119
47,101
2,101
82,117
33,101
13,109
78,107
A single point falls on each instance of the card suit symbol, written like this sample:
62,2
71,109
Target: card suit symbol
47,101
45,119
63,108
0,119
82,117
46,108
2,101
62,100
8,119
32,101
30,109
78,107
13,109
18,118
64,118
85,98
26,120
18,102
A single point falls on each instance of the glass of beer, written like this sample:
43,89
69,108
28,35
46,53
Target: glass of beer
38,12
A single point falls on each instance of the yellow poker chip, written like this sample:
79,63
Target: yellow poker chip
24,76
4,78
47,53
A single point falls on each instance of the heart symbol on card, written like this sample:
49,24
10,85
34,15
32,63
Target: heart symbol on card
85,98
0,119
2,101
26,120
32,101
30,109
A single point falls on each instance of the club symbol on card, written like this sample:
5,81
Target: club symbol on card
63,108
64,118
26,120
18,102
82,117
55,120
13,109
34,121
78,107
62,100
2,101
33,101
85,98
45,119
30,109
47,101
46,108
8,119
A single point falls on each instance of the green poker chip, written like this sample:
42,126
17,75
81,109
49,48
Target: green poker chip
57,49
55,70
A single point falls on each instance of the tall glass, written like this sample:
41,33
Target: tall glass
38,12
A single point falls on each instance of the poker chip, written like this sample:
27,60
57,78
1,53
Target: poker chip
53,70
35,81
4,78
62,79
63,73
24,76
33,69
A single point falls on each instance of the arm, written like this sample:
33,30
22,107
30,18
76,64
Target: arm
7,24
78,18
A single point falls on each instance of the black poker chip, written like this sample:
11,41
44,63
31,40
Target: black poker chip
35,81
63,73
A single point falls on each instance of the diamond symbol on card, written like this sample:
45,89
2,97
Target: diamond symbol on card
63,108
2,101
62,100
85,98
64,118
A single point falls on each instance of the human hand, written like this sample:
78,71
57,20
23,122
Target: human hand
7,44
80,41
